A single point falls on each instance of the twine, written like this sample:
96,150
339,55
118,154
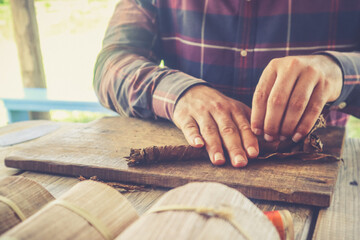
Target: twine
14,207
224,213
92,220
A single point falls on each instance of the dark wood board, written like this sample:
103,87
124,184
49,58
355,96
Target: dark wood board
98,148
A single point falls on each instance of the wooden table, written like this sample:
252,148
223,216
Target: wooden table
339,221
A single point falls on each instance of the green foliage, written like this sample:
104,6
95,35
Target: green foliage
353,128
4,2
75,116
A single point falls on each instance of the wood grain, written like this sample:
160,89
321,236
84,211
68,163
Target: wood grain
341,220
59,185
13,129
18,126
27,134
98,149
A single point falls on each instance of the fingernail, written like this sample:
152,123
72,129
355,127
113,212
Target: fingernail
296,137
219,158
268,138
198,141
283,138
239,161
252,151
257,131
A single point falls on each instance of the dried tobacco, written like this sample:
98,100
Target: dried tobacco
307,150
123,188
157,154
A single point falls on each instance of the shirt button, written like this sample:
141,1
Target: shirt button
243,53
342,105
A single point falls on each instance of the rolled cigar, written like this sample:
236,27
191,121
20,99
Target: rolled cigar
157,154
307,150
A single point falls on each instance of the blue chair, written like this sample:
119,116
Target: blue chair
36,100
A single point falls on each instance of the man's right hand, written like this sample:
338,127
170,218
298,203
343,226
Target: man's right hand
207,117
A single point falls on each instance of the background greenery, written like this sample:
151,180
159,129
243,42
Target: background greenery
71,32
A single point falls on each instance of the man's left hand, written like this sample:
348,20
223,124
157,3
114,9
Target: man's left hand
291,94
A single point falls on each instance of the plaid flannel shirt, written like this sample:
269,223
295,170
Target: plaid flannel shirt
225,44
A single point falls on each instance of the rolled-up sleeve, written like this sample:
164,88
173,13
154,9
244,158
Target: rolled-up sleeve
127,75
349,99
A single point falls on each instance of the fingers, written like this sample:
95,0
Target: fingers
218,130
260,99
285,98
278,98
298,102
210,133
231,139
249,140
277,103
208,118
311,114
191,132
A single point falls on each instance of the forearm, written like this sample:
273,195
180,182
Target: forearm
133,85
127,76
123,82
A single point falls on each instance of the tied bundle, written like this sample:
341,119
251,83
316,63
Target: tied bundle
20,198
307,150
89,210
202,210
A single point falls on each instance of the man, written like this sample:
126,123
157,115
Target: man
287,59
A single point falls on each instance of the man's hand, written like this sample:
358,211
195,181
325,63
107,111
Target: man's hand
291,94
207,117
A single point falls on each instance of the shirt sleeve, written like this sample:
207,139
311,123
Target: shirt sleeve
349,99
127,75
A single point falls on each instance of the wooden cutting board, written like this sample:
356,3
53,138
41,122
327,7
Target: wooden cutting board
98,149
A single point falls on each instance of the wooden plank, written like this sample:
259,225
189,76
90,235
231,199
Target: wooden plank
98,149
28,45
4,171
341,219
58,185
14,130
142,201
27,134
14,127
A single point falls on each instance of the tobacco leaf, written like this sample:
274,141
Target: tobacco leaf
307,150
